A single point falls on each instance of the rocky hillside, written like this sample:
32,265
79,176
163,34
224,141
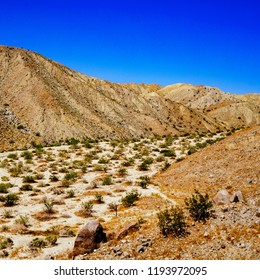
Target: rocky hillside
232,163
50,102
231,110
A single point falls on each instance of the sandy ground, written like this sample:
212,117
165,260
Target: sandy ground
85,162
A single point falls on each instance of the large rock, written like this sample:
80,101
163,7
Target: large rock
89,238
222,197
126,230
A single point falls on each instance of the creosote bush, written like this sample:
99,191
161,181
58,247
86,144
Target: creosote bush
172,221
199,206
130,198
11,199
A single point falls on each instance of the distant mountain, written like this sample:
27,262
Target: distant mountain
42,100
230,110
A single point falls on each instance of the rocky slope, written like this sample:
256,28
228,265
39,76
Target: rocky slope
232,163
58,103
54,103
231,110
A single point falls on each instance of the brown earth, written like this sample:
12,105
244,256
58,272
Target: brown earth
57,103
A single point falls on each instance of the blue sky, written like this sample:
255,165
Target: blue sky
213,43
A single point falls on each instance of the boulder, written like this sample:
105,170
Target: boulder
126,230
89,238
222,197
237,197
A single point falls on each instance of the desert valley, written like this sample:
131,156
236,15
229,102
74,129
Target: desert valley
91,169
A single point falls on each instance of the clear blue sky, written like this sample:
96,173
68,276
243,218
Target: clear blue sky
213,43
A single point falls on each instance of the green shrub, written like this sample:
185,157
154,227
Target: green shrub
71,176
38,243
4,187
113,206
11,199
23,220
172,221
13,156
99,197
199,206
191,150
28,179
130,198
166,166
107,181
26,187
168,153
143,166
87,207
27,155
70,193
6,243
48,206
145,180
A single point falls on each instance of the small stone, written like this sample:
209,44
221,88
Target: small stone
257,213
206,234
249,180
140,249
237,197
223,246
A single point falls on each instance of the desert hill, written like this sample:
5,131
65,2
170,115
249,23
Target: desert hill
56,102
232,164
50,102
231,110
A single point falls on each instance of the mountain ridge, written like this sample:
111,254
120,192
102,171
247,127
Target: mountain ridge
58,103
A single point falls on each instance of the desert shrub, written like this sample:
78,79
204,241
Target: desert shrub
191,150
54,178
38,243
28,179
51,240
71,176
27,155
166,166
168,152
23,220
199,206
70,193
26,187
130,197
65,183
5,178
7,213
149,160
122,172
113,206
143,166
16,170
6,243
87,207
172,221
99,167
4,187
145,180
13,156
39,176
99,197
48,206
11,199
103,160
107,180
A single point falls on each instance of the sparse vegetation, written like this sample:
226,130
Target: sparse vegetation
199,206
130,198
172,221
